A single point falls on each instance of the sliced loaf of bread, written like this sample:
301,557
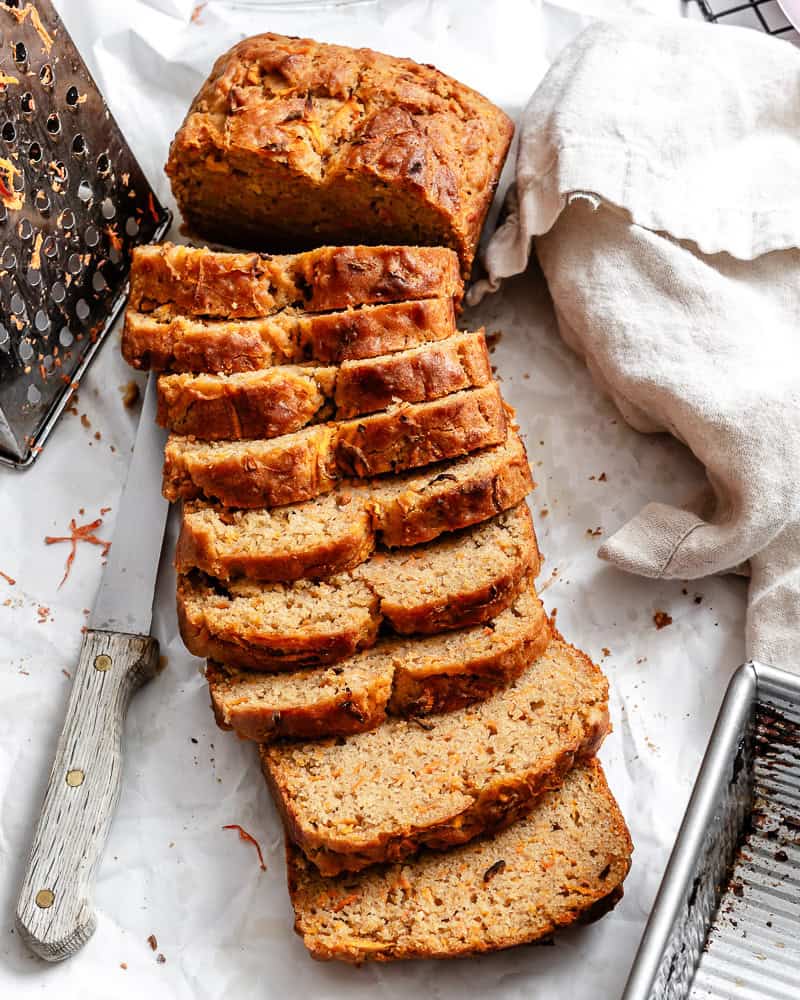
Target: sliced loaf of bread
338,530
418,676
294,467
164,341
563,863
381,795
274,401
196,281
463,579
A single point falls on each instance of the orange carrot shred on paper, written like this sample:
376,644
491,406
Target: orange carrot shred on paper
9,579
244,835
84,533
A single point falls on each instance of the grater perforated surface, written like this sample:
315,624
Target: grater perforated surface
73,203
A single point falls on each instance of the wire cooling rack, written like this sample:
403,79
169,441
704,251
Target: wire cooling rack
765,15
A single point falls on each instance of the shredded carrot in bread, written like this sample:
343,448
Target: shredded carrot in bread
345,901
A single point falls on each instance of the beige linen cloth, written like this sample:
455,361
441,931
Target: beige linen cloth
659,174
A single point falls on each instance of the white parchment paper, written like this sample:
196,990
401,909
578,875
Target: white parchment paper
170,870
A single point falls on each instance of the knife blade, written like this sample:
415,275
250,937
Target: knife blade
124,601
55,916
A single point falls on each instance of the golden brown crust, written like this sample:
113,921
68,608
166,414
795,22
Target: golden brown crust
430,372
409,436
196,281
497,807
336,144
445,688
375,330
165,342
267,473
497,480
261,404
508,794
277,401
563,863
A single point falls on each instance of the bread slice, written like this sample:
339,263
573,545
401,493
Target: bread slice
408,436
563,863
261,404
339,530
312,540
413,376
293,142
418,676
294,467
265,473
164,341
275,626
196,281
461,579
381,795
418,506
276,401
464,579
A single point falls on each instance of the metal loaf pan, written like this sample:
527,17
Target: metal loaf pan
726,921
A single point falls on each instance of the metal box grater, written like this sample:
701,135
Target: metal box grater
73,202
726,921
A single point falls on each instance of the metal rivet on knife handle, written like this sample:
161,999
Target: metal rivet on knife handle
102,662
75,778
45,898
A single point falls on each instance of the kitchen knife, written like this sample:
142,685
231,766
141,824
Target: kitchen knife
54,913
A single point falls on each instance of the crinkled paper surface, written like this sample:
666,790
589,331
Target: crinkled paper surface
224,927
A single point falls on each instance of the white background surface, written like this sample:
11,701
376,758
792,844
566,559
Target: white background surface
170,870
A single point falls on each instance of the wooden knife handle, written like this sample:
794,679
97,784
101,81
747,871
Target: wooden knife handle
55,915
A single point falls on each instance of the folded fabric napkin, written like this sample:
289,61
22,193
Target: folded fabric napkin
659,173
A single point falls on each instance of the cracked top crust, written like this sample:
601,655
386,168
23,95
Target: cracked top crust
320,117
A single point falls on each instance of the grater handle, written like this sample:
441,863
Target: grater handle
55,915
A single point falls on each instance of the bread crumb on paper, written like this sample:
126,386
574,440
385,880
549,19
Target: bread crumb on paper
661,619
130,394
